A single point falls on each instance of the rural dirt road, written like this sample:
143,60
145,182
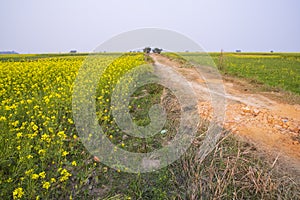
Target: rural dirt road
273,126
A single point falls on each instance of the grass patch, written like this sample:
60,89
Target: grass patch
276,70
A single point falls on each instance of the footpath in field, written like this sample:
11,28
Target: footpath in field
272,126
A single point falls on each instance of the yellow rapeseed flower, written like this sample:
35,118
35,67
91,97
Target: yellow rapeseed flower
74,163
61,134
64,175
70,121
35,127
15,123
2,118
19,135
34,176
18,193
42,174
41,152
9,180
46,185
28,172
46,138
65,153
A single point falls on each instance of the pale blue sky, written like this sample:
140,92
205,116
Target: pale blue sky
33,26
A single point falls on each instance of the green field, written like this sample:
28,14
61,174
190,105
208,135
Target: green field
42,156
276,70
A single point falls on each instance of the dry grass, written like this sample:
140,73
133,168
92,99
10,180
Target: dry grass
232,171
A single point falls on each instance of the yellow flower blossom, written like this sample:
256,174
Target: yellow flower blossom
35,127
18,193
64,175
61,134
19,135
9,180
42,174
28,172
70,121
15,123
34,176
41,151
46,138
65,153
74,163
2,118
46,185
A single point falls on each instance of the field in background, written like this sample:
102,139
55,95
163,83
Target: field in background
276,70
42,156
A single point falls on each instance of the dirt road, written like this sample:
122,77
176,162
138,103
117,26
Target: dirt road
272,126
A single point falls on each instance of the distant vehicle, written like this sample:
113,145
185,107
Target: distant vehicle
238,51
73,51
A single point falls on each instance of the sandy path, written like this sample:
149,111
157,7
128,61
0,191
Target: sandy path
273,127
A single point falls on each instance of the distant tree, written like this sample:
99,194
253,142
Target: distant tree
157,50
8,52
147,50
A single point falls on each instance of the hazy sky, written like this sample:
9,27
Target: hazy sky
31,26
